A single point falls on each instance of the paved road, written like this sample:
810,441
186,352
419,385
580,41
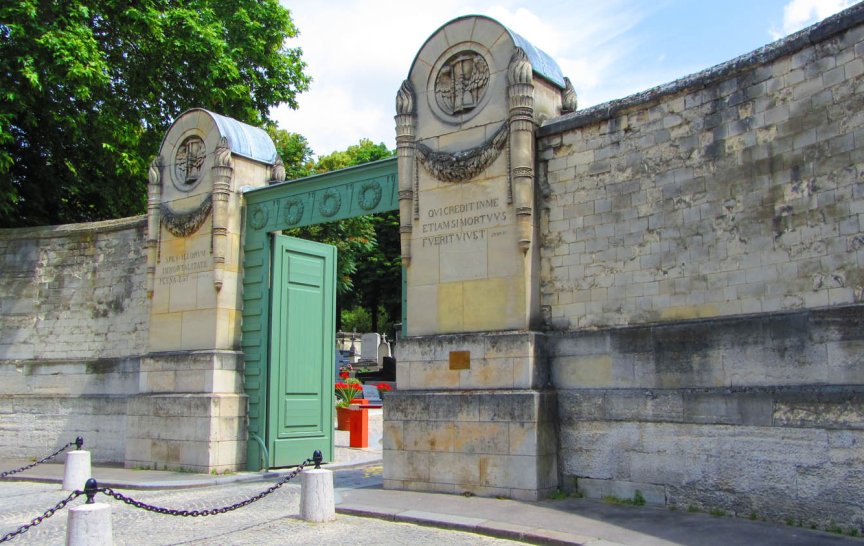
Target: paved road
272,520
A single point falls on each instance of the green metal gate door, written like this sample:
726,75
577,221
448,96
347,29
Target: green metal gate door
302,330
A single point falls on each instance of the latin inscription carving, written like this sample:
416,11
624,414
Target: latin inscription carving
176,269
464,223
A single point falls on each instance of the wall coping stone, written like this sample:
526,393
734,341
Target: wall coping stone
793,43
64,230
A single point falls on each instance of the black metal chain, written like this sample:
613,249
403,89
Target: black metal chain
207,512
38,519
78,442
90,490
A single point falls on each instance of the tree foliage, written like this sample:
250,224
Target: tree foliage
88,89
295,152
369,268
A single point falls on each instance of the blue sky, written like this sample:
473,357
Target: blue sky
359,51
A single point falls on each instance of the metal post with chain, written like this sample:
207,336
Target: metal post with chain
79,441
208,512
38,519
91,488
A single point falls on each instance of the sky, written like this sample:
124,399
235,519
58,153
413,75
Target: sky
358,52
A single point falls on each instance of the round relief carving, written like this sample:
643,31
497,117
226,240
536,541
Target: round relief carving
258,217
293,211
369,196
188,162
461,83
331,201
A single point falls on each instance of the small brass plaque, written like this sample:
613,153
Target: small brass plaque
460,360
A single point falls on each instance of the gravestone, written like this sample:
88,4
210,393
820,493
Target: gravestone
369,347
370,393
465,123
383,350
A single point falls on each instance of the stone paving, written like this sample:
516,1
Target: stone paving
272,520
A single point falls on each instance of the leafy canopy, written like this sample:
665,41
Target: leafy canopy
369,268
88,89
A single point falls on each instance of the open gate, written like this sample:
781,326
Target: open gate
288,332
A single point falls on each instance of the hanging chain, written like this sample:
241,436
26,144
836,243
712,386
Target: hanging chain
38,519
90,490
77,442
210,511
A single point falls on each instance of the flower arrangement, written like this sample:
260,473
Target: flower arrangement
346,391
382,388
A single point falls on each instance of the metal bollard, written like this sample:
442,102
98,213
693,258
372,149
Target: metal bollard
317,501
90,523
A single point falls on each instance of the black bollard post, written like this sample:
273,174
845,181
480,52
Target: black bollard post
317,458
90,490
79,443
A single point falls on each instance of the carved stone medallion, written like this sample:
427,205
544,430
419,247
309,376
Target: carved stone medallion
188,162
461,83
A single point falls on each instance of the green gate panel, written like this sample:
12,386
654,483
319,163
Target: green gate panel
302,330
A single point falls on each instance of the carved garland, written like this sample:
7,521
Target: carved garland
369,196
465,164
330,204
293,211
184,224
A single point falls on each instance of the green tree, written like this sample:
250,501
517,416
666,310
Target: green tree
88,89
295,152
356,239
356,154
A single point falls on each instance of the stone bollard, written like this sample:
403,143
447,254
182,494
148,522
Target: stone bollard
77,470
90,523
317,502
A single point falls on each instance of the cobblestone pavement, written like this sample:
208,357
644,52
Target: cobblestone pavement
272,520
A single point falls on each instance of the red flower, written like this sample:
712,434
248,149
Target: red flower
344,375
384,387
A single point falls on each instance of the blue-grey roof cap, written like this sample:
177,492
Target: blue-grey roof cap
245,140
541,63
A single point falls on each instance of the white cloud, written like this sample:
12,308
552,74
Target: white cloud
798,14
359,51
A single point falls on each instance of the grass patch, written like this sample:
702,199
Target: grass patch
637,500
717,512
558,495
693,509
834,528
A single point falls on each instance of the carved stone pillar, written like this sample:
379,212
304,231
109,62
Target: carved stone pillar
223,169
405,151
154,197
521,119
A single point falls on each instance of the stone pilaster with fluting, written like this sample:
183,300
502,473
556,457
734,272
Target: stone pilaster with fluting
521,119
154,197
223,169
406,119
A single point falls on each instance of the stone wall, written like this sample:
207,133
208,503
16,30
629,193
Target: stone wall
73,326
702,280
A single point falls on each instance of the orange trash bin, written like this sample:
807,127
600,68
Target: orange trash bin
359,426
